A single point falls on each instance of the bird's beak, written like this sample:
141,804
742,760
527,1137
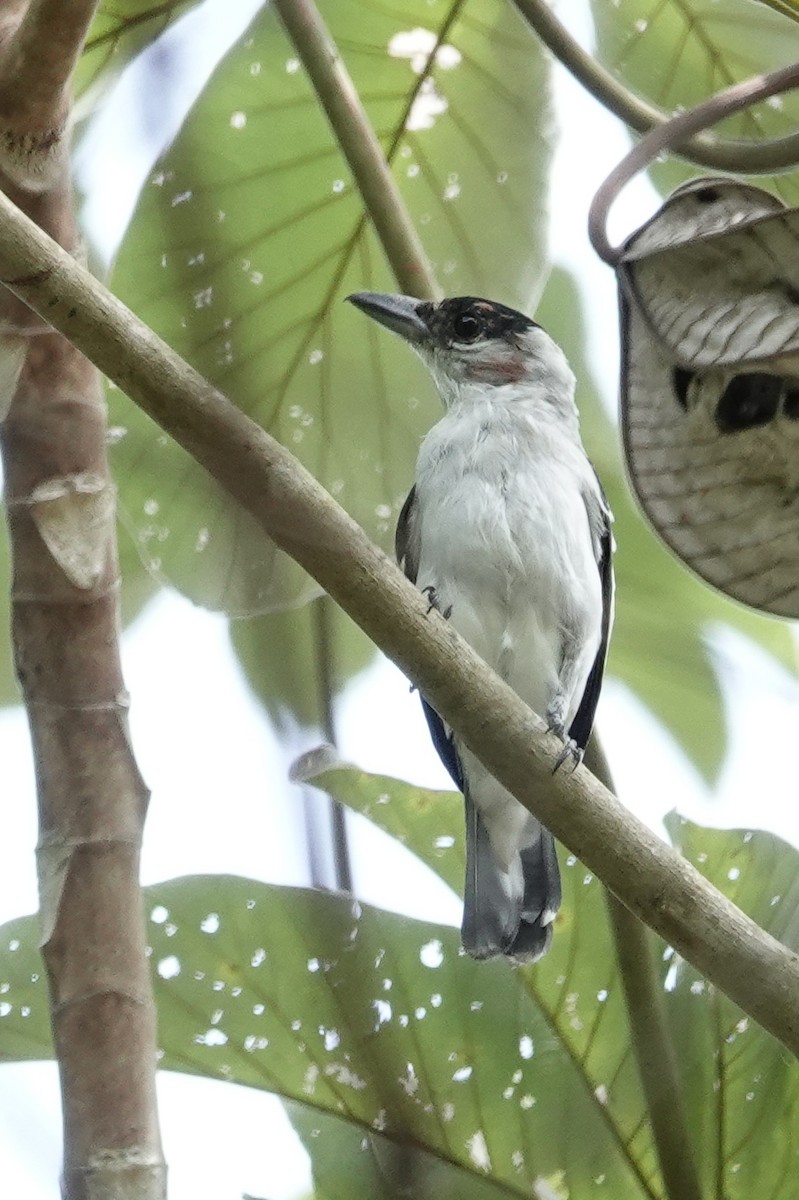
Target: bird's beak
400,314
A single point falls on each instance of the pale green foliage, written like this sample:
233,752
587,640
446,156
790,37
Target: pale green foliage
474,1070
455,1079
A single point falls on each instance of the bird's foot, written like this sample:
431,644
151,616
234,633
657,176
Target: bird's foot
570,751
433,602
570,748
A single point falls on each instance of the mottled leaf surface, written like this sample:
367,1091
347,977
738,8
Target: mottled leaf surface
741,1087
380,1022
250,233
349,1164
360,1014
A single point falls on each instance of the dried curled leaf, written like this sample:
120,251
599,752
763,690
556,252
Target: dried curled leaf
710,385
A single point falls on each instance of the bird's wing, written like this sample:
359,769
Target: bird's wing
407,540
599,519
407,543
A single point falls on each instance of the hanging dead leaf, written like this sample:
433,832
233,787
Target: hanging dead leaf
710,385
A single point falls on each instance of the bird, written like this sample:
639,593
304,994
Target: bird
507,532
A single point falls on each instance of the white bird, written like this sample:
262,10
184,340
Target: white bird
507,531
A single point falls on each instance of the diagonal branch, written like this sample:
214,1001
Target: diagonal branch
749,157
657,884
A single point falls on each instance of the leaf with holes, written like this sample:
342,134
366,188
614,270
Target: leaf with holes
250,233
363,1015
381,1023
741,1090
676,53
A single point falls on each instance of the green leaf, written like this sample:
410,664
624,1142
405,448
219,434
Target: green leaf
381,1023
298,660
121,30
575,991
364,1015
788,8
250,233
676,53
658,647
741,1089
348,1165
744,1089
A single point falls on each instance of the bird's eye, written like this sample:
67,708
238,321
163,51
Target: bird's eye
467,328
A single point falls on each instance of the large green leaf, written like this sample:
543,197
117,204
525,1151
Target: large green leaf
659,646
361,1014
250,233
381,1022
349,1165
678,52
120,30
741,1089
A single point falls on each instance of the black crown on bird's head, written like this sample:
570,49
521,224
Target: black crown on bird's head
472,346
467,319
456,321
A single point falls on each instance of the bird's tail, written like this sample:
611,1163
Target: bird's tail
509,911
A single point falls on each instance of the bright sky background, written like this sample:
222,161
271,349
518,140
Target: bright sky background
205,749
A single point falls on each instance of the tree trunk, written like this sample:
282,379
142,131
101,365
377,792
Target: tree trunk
65,624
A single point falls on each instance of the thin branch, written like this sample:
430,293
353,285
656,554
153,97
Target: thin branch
653,1046
355,135
752,967
671,136
746,157
324,654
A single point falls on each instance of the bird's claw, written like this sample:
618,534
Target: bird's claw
570,750
433,603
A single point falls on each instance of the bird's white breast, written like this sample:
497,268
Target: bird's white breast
506,541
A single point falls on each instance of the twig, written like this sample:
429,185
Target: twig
355,135
747,157
653,1046
671,136
753,968
323,637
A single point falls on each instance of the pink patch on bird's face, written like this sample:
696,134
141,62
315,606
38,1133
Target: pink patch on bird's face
498,365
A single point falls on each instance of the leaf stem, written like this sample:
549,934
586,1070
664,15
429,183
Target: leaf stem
353,130
653,1047
747,157
324,656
